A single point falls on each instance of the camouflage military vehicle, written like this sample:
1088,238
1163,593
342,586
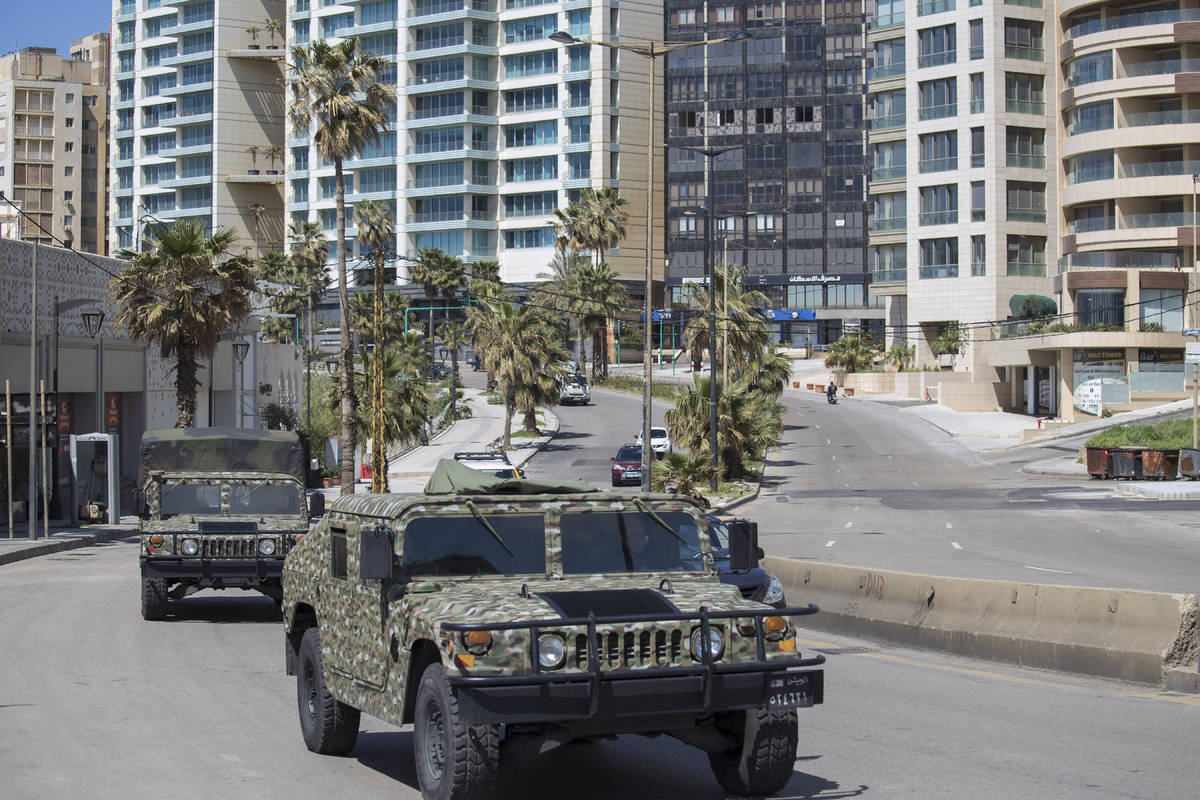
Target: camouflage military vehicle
494,614
223,506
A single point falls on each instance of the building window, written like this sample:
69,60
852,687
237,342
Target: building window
1027,255
977,147
1023,94
939,151
978,256
936,46
939,204
978,202
939,258
1026,201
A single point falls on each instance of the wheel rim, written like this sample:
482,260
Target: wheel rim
310,690
435,740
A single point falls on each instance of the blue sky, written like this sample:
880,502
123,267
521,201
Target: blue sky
51,23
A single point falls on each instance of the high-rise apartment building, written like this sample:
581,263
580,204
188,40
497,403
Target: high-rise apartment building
496,125
198,117
53,113
788,196
963,138
96,49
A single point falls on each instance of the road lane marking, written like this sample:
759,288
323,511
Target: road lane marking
834,458
956,545
818,427
948,526
828,442
1047,569
813,643
976,672
849,524
1170,698
830,542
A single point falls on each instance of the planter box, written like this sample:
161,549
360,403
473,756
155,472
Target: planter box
848,391
1127,463
1160,464
1100,462
795,384
1189,463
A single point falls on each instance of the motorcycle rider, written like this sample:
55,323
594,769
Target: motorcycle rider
831,391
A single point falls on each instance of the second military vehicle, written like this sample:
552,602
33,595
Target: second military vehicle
523,613
223,506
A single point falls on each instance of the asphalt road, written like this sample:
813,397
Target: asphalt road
96,702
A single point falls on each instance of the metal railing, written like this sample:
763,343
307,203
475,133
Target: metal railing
1026,215
1025,161
939,217
938,164
938,112
938,271
1026,269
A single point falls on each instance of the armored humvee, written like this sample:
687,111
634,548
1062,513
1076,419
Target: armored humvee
223,506
524,613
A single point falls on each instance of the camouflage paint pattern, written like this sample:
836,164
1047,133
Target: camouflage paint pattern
368,643
197,450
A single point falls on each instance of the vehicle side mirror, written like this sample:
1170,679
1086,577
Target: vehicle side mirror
375,553
614,458
316,505
744,551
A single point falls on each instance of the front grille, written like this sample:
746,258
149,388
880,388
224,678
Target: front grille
624,650
226,548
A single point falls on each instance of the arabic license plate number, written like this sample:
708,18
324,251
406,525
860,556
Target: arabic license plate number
791,690
633,473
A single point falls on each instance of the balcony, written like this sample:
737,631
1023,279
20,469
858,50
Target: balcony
892,224
977,160
938,271
889,276
886,123
938,112
937,59
1024,52
938,164
885,71
1025,3
1168,67
1023,161
939,217
978,215
1159,118
1123,21
1026,214
1026,269
1024,107
880,21
1091,224
927,7
889,173
1158,169
1173,219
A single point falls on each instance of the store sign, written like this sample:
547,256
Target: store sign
1160,355
1095,367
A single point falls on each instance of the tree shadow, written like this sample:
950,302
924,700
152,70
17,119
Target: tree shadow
238,609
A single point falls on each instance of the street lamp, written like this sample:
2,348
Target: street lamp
650,50
59,307
710,153
137,245
92,320
239,356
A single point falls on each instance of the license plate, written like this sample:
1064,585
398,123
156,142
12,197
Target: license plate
796,690
633,473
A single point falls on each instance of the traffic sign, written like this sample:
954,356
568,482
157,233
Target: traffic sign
1191,331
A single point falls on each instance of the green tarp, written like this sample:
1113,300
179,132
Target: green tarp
221,450
1031,306
453,477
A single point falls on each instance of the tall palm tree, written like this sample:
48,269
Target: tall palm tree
276,270
310,250
852,352
740,318
181,294
362,317
441,275
601,296
338,97
561,291
257,209
376,237
748,423
521,350
605,219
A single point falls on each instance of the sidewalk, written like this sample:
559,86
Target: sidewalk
20,548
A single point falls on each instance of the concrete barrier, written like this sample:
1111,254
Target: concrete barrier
1116,633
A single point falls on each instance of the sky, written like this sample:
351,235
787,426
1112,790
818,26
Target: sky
51,23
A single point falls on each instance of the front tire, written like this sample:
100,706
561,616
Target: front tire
154,598
329,726
455,761
762,762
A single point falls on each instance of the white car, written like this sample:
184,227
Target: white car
660,441
494,463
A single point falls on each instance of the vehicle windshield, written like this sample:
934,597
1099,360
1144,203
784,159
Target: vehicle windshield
629,541
264,498
179,497
658,433
463,545
504,473
629,454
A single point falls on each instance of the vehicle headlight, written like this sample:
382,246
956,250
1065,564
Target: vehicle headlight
190,547
551,651
716,645
266,547
774,591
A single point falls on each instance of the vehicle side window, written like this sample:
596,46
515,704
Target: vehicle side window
337,550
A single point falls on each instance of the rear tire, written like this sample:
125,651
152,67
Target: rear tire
154,598
763,761
329,726
455,761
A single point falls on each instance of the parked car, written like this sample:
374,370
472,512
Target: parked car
754,584
574,390
627,466
437,370
493,462
660,441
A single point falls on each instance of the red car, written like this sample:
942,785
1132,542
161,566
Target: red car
627,466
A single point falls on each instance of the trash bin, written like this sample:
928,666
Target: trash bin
1189,462
1160,464
1127,463
1099,461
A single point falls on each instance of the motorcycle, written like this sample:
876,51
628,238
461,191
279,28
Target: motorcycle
831,397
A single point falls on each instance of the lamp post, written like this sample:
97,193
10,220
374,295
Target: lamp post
59,307
137,245
651,51
239,356
92,320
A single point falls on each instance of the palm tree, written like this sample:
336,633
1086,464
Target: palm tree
521,350
274,27
253,151
604,218
484,276
362,317
851,352
601,296
309,278
740,318
338,96
682,473
273,153
376,237
181,294
561,291
441,275
276,270
257,209
748,422
902,356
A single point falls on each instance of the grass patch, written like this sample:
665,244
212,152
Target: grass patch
494,399
624,383
1167,435
525,435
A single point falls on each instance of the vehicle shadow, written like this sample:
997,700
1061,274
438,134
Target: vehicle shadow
239,608
389,753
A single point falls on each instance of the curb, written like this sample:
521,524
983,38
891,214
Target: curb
529,452
72,541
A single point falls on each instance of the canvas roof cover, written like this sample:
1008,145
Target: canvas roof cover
221,450
454,477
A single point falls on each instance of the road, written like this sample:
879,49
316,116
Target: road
95,701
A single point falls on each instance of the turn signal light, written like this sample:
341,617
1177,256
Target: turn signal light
774,624
477,642
156,540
